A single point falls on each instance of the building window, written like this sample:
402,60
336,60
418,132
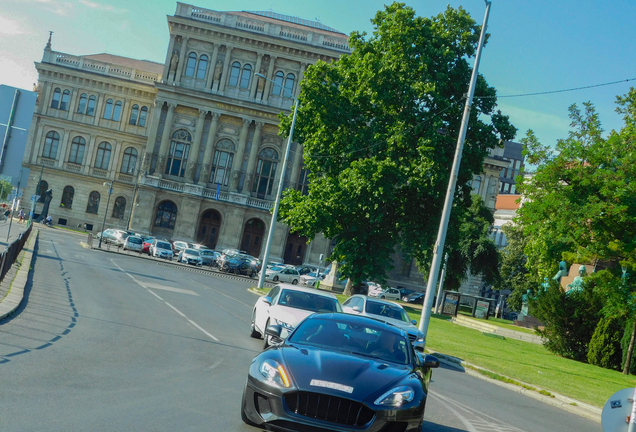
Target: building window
51,142
234,74
77,150
202,67
134,115
222,162
90,109
143,115
67,197
507,188
166,215
119,208
192,62
289,84
42,188
129,161
66,97
81,107
117,112
108,111
55,102
179,150
278,83
303,181
265,172
245,76
93,203
103,156
476,184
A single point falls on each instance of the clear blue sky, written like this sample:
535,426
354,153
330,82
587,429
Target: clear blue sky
535,45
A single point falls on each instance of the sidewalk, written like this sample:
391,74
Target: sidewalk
16,229
15,280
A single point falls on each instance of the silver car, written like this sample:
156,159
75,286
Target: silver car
134,243
161,249
190,256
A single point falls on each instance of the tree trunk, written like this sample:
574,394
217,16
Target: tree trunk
348,291
630,349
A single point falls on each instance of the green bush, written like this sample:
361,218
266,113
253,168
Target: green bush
605,346
627,334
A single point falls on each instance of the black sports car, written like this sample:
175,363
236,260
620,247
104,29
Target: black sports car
338,372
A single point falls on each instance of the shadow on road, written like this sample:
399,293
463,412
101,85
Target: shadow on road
432,427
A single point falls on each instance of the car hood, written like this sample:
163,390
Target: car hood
364,376
289,315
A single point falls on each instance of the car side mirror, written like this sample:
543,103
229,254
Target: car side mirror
275,330
414,322
267,300
357,309
430,361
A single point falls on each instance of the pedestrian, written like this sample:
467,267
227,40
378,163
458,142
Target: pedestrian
6,214
21,216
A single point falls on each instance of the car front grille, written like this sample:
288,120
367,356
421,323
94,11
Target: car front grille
412,337
329,408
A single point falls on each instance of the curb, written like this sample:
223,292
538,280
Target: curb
559,401
15,294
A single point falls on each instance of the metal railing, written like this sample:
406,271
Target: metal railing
11,252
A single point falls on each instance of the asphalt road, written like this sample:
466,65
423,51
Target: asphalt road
115,343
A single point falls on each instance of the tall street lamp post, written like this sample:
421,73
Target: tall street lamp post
270,235
110,192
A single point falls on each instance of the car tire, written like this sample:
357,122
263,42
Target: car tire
295,282
382,297
244,417
275,278
253,332
266,337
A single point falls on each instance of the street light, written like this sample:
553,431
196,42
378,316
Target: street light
270,235
110,192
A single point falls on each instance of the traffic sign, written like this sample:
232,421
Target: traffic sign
617,410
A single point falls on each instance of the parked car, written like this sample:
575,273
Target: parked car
209,257
275,263
134,243
240,266
113,236
147,241
287,305
282,274
405,291
178,246
161,249
388,293
308,268
198,246
383,386
383,310
310,279
190,256
414,297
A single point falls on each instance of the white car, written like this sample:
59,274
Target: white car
287,305
283,274
386,293
161,249
310,279
134,243
178,246
383,310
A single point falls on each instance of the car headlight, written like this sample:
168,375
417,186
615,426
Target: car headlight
284,325
396,397
275,373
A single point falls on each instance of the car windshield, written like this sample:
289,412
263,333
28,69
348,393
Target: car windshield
192,252
277,269
361,339
386,310
308,301
135,240
162,245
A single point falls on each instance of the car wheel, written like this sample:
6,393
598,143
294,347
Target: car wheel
253,332
275,278
253,274
244,417
295,282
266,337
382,297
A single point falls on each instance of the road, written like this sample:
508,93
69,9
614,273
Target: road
112,342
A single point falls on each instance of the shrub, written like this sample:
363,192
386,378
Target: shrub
605,345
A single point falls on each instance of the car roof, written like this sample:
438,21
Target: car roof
359,319
378,300
306,290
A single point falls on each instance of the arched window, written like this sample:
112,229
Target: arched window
278,83
134,114
289,85
245,76
303,181
234,74
81,107
42,188
222,162
202,67
108,111
90,110
265,172
51,142
67,197
55,102
179,151
476,184
93,203
192,62
119,208
166,215
142,116
66,98
103,156
117,112
129,161
77,150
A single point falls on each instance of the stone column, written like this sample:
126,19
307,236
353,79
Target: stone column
166,66
62,149
182,55
112,168
270,77
215,55
226,68
88,153
98,109
209,147
45,102
240,152
257,69
165,139
125,115
301,75
193,157
296,166
251,163
153,127
71,108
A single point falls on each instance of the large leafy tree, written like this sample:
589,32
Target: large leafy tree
513,272
378,128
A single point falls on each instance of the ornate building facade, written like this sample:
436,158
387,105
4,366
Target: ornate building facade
184,150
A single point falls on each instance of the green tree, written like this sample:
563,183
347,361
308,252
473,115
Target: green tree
5,189
605,345
370,125
513,272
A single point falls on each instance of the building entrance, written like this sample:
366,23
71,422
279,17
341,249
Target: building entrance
295,249
209,226
253,237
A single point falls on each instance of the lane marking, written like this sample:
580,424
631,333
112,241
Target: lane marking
464,420
167,288
155,295
175,309
222,293
199,327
